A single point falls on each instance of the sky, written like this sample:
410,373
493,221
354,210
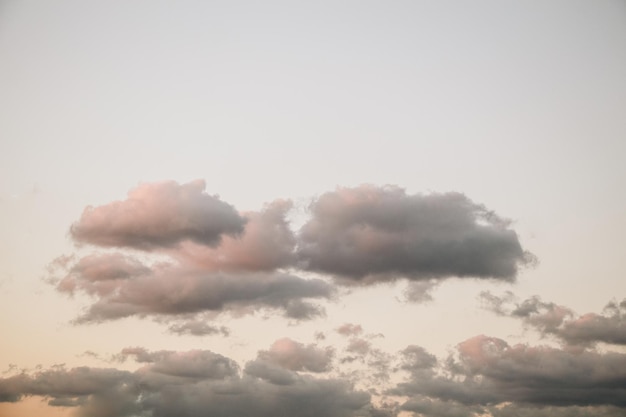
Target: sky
346,208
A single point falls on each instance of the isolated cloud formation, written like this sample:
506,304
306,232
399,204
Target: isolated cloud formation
194,383
371,233
559,321
158,215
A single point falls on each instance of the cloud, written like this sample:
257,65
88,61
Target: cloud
371,233
74,387
159,215
123,287
488,372
297,356
349,329
197,328
417,358
559,321
420,291
359,346
267,243
195,383
199,255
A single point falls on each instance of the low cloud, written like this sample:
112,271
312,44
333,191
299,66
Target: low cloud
420,291
551,319
159,215
349,329
370,233
487,374
197,327
296,356
124,287
193,384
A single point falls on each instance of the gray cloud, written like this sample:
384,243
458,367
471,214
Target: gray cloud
204,256
436,408
420,291
196,327
349,329
370,233
417,358
298,357
359,346
123,287
513,410
74,387
559,321
488,372
267,243
159,215
195,383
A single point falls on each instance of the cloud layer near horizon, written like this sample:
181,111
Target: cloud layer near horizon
484,376
207,257
195,383
489,375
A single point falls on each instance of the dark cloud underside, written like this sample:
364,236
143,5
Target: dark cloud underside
373,233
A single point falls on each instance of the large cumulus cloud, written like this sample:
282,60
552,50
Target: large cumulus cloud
374,233
181,251
193,383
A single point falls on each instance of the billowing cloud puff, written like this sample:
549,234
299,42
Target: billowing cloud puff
488,373
561,322
267,243
159,215
349,329
296,356
374,233
193,384
124,287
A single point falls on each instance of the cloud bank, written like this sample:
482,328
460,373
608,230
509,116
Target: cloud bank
489,375
193,383
180,251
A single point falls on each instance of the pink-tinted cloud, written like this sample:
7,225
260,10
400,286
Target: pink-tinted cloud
563,323
193,384
296,356
123,287
159,215
267,243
